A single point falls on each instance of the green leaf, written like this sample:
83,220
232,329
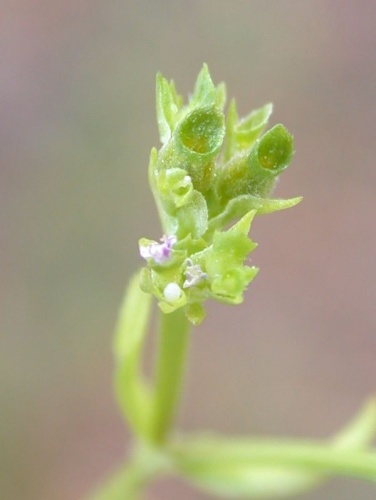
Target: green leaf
268,469
220,100
250,468
268,206
257,481
177,99
242,134
224,261
250,127
126,484
238,206
132,393
361,431
130,480
205,93
195,313
168,104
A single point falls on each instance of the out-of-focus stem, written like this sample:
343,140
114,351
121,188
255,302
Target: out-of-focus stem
170,366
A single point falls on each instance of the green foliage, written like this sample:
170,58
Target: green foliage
133,394
234,467
210,172
211,177
243,467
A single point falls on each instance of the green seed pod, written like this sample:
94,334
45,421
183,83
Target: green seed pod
195,145
270,156
274,151
255,172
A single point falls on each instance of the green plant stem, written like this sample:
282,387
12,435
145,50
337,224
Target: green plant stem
128,482
133,477
203,456
170,366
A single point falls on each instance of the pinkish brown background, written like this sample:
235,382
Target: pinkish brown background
77,124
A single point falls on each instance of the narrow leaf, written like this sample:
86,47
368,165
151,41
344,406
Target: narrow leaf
240,205
205,93
234,467
250,127
124,484
167,107
132,393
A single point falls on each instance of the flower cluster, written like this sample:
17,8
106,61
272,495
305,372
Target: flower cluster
209,173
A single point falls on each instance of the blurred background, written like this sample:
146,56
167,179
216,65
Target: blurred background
78,121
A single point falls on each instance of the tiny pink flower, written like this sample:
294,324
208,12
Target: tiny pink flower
159,252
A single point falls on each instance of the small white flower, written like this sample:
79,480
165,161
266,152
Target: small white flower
194,274
172,292
159,252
